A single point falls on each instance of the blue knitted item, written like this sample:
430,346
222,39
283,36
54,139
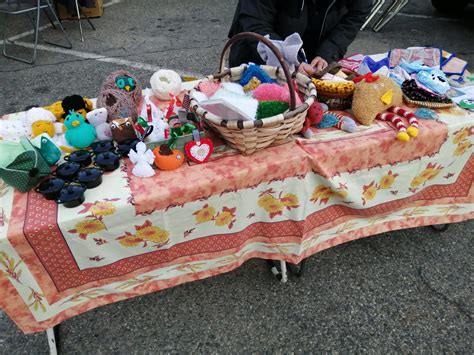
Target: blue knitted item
426,113
259,73
329,120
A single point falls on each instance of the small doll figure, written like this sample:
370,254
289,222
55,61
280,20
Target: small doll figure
142,159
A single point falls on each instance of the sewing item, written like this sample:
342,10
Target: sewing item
98,118
313,118
79,134
142,158
426,113
342,122
393,115
124,82
467,104
167,159
165,84
200,149
179,131
39,120
122,129
47,148
289,49
75,103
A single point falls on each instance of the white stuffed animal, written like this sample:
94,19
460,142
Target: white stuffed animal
39,120
98,118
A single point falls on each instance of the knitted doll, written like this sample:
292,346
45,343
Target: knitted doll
373,96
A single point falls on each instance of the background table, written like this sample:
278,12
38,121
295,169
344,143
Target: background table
134,236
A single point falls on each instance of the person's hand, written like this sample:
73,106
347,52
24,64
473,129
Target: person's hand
306,69
319,63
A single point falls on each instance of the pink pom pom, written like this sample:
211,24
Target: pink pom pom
209,88
269,92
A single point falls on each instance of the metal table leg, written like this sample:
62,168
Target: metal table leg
52,334
377,6
440,227
393,10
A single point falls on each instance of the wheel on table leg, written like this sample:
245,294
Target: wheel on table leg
440,227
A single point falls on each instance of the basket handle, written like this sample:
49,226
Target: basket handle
251,35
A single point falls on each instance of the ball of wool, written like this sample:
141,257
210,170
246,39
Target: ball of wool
110,84
271,108
165,83
367,101
118,104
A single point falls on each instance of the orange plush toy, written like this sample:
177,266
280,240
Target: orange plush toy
374,95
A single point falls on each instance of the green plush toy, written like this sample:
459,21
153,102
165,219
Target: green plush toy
271,108
80,134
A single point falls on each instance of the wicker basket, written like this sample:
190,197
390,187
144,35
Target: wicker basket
251,136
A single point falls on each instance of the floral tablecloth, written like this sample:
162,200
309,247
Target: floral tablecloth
133,236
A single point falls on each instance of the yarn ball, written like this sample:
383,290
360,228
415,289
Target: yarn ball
254,70
329,120
165,83
271,108
368,100
118,104
112,80
208,87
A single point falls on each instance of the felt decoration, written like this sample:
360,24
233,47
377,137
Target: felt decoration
252,84
208,87
124,82
98,118
80,134
165,83
274,92
435,80
142,158
289,49
313,117
200,149
413,92
39,120
254,70
116,102
426,113
271,108
167,159
373,95
47,148
122,129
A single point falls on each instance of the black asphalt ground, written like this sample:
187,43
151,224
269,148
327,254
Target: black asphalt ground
402,292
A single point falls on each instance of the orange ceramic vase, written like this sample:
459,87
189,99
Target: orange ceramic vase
167,159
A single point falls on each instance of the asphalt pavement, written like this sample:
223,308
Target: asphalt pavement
407,291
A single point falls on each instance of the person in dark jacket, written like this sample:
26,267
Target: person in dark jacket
327,28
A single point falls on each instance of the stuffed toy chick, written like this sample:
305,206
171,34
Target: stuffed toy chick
79,134
39,120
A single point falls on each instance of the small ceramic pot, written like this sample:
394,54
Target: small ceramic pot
126,146
103,146
67,171
89,177
50,188
72,195
109,161
82,157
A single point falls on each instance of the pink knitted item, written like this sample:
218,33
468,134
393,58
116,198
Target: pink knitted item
209,88
274,92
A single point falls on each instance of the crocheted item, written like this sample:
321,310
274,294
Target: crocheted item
393,116
313,117
329,120
125,82
414,93
374,97
165,84
274,92
271,108
252,84
254,70
345,123
117,102
435,80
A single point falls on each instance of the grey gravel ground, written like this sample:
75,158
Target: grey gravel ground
405,291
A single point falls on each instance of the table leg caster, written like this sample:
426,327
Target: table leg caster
52,334
280,272
440,227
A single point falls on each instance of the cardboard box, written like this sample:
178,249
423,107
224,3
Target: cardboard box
96,11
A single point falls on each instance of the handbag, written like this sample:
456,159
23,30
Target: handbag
21,164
